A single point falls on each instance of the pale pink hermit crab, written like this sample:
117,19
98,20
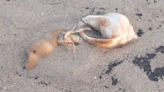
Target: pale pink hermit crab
69,40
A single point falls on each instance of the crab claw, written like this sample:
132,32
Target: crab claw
52,37
42,48
33,61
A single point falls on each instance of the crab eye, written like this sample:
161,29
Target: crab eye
34,51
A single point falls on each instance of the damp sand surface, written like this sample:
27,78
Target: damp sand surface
137,66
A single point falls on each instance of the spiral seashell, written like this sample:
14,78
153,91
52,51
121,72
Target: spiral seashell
115,27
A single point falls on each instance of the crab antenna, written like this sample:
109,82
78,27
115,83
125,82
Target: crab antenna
73,28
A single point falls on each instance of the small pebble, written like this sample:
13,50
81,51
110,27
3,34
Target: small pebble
42,13
5,87
138,56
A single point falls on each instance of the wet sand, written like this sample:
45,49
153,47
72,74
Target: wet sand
137,66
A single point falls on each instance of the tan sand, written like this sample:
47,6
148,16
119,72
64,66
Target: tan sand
135,67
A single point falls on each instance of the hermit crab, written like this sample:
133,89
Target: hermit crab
48,44
115,28
69,40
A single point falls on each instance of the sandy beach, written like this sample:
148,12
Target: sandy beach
137,66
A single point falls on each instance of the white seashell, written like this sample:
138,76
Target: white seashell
114,27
